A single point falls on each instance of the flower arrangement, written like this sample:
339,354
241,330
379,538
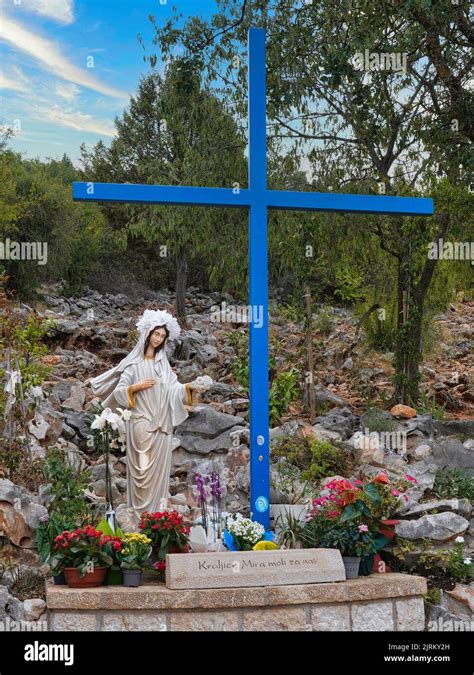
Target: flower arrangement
349,515
243,534
84,549
135,551
209,491
166,529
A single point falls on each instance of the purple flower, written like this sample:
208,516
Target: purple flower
201,485
215,485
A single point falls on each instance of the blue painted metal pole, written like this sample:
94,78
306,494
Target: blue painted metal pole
258,283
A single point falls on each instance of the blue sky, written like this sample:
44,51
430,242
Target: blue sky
68,67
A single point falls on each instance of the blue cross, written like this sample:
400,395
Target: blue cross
258,199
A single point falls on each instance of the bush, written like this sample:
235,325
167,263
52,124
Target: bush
315,459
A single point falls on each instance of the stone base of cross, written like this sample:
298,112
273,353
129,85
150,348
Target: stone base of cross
257,198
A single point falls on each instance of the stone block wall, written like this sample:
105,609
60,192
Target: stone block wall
381,602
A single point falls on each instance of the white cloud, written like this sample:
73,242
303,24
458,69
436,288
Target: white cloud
67,90
61,10
48,54
74,119
14,85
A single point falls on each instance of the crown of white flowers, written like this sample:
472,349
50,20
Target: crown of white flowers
157,317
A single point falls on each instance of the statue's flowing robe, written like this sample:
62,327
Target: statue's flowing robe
155,413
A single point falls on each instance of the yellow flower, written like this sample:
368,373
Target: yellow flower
265,546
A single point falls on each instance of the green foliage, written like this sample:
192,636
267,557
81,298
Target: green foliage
283,390
429,406
439,563
349,285
453,483
291,530
286,479
69,508
377,420
324,321
315,459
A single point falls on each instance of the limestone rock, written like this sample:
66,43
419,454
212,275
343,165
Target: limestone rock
437,527
33,608
462,507
463,594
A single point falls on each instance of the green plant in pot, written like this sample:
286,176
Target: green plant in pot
68,508
133,557
84,556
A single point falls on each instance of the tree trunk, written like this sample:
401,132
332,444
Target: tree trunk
181,282
411,305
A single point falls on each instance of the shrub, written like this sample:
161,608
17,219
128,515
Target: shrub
453,484
315,459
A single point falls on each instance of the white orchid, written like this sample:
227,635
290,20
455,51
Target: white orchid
126,414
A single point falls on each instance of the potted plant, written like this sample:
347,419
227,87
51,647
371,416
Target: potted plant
167,532
84,556
133,555
342,518
114,576
243,534
286,482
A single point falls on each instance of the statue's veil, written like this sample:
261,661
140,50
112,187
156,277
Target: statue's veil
104,385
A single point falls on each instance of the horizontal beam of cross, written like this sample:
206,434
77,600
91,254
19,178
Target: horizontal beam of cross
239,197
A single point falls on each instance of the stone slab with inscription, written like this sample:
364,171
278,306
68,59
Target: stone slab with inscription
253,568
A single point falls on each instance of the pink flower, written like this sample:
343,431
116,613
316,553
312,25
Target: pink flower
395,493
410,478
363,528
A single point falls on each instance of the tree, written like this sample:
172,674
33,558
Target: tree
371,130
174,133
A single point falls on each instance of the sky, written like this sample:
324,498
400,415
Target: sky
68,67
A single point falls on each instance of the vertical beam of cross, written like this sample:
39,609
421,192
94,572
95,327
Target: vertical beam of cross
258,282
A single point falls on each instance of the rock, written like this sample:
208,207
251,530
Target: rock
76,399
80,422
340,420
65,327
423,423
322,434
403,411
99,489
33,608
463,594
38,427
452,453
455,427
424,472
469,444
15,609
324,396
4,595
348,364
462,507
422,451
438,527
19,515
205,422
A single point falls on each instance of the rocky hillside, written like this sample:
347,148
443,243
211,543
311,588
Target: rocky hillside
95,331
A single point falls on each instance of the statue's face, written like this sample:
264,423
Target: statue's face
157,337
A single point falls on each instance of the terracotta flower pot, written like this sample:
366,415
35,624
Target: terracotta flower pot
89,580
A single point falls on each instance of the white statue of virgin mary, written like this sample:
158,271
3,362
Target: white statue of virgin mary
144,383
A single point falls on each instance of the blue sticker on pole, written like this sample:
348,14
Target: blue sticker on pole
261,504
